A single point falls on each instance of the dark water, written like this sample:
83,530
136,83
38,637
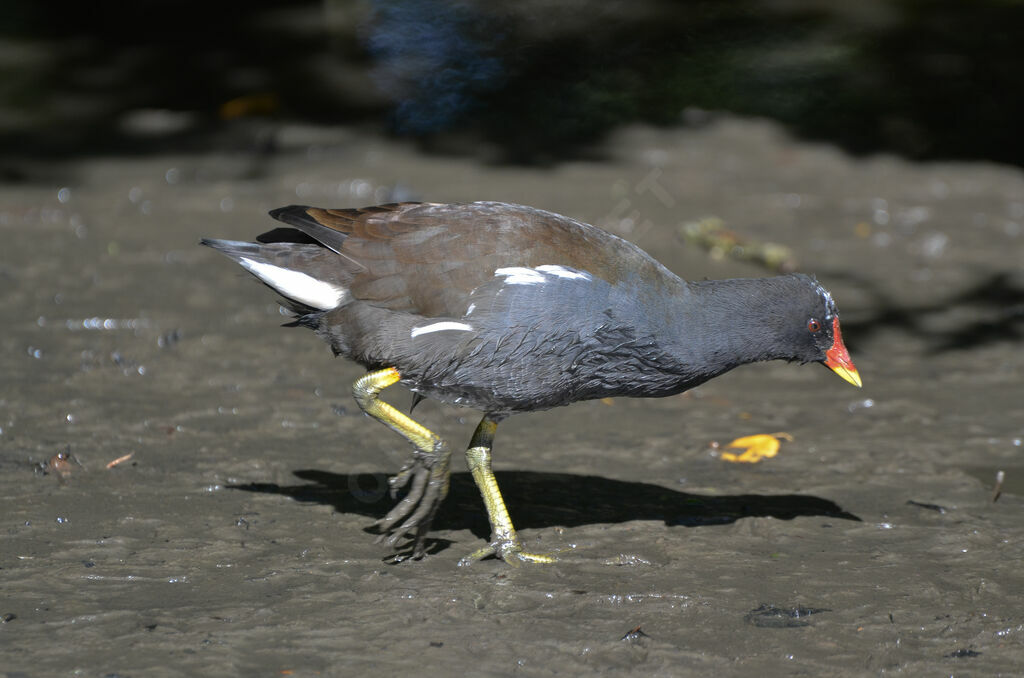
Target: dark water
529,82
232,542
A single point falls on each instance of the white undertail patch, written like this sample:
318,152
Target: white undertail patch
302,288
440,327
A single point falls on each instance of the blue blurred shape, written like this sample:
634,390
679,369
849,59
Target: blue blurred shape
433,59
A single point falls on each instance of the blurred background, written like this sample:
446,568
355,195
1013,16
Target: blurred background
525,82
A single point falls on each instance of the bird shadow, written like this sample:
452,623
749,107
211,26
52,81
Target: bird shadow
541,500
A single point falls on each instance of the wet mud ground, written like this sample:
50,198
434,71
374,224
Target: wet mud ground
234,542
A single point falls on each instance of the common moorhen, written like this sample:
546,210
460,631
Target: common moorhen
507,309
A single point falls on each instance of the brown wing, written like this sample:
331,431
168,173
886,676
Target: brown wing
426,258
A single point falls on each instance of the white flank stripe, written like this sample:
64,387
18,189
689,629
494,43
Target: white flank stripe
440,326
517,275
298,286
563,272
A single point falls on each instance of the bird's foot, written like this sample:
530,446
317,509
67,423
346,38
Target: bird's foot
510,549
428,477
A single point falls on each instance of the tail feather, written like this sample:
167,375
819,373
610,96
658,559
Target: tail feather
297,216
305,219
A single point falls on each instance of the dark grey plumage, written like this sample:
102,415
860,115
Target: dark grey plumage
510,309
506,308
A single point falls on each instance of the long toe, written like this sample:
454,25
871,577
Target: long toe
420,477
510,549
400,480
415,512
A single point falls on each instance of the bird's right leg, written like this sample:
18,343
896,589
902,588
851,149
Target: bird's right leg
429,471
505,542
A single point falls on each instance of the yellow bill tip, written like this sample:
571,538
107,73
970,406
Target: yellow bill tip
848,373
838,359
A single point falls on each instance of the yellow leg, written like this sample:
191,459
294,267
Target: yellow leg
429,470
505,542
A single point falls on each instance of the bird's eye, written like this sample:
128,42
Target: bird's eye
813,326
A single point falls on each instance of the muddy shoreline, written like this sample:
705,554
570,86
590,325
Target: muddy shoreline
233,541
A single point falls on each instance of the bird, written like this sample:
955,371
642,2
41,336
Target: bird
509,309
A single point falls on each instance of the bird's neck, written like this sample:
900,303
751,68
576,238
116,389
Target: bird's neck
722,324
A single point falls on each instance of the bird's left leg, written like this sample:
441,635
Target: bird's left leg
429,471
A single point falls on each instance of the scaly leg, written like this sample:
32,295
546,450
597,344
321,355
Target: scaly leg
429,470
505,542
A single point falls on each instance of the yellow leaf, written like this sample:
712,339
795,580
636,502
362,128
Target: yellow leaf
755,447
